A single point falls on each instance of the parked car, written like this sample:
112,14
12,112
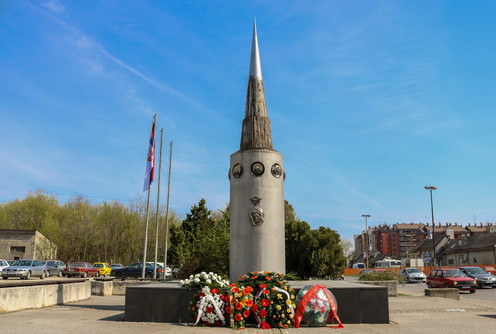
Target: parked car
450,278
25,269
116,265
482,277
103,268
412,275
168,270
135,270
3,264
175,271
81,269
55,267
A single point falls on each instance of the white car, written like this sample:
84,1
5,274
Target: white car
3,264
412,275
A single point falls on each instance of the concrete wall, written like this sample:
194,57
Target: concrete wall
443,293
392,286
37,296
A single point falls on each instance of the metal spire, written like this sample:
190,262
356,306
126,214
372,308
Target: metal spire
255,65
256,131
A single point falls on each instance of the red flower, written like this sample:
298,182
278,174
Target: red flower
265,302
254,308
238,306
232,285
265,291
254,277
201,295
268,278
214,290
228,309
264,325
210,309
246,291
263,286
262,313
206,323
217,323
238,317
249,303
235,290
246,314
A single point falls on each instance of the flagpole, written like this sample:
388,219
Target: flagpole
158,205
152,148
146,233
167,210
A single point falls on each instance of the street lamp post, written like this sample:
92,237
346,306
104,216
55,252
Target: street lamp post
431,188
366,240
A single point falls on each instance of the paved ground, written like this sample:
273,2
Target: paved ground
408,314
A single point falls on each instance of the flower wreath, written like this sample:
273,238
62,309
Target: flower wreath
209,304
210,307
241,302
274,299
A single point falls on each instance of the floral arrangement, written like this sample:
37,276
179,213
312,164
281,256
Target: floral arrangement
210,307
282,307
260,298
203,279
241,303
255,278
274,299
316,306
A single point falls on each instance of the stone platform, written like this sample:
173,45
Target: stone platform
167,302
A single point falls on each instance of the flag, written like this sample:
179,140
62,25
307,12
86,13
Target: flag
150,160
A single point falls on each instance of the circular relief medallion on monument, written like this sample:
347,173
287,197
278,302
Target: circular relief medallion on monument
276,170
237,170
257,168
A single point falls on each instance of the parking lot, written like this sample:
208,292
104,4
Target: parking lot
410,312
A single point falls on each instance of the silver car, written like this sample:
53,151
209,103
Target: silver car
55,267
482,277
412,275
25,269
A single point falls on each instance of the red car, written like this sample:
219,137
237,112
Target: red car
81,269
451,278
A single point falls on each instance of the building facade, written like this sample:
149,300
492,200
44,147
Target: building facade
26,244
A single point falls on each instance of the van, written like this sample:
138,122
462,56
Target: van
359,265
388,264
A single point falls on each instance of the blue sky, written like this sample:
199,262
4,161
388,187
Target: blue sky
370,101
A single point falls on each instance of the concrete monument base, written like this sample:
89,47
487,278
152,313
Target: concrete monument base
167,302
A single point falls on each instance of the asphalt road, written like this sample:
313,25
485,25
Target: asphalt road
417,289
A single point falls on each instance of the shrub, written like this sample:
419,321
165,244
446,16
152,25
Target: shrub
379,276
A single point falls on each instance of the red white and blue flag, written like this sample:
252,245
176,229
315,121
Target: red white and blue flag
150,160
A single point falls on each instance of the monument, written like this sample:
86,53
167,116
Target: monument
256,177
257,227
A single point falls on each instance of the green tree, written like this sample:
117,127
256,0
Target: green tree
324,254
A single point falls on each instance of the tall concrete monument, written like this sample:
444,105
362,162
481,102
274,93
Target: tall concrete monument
256,177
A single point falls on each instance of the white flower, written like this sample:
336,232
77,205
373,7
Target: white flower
196,280
181,282
208,281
